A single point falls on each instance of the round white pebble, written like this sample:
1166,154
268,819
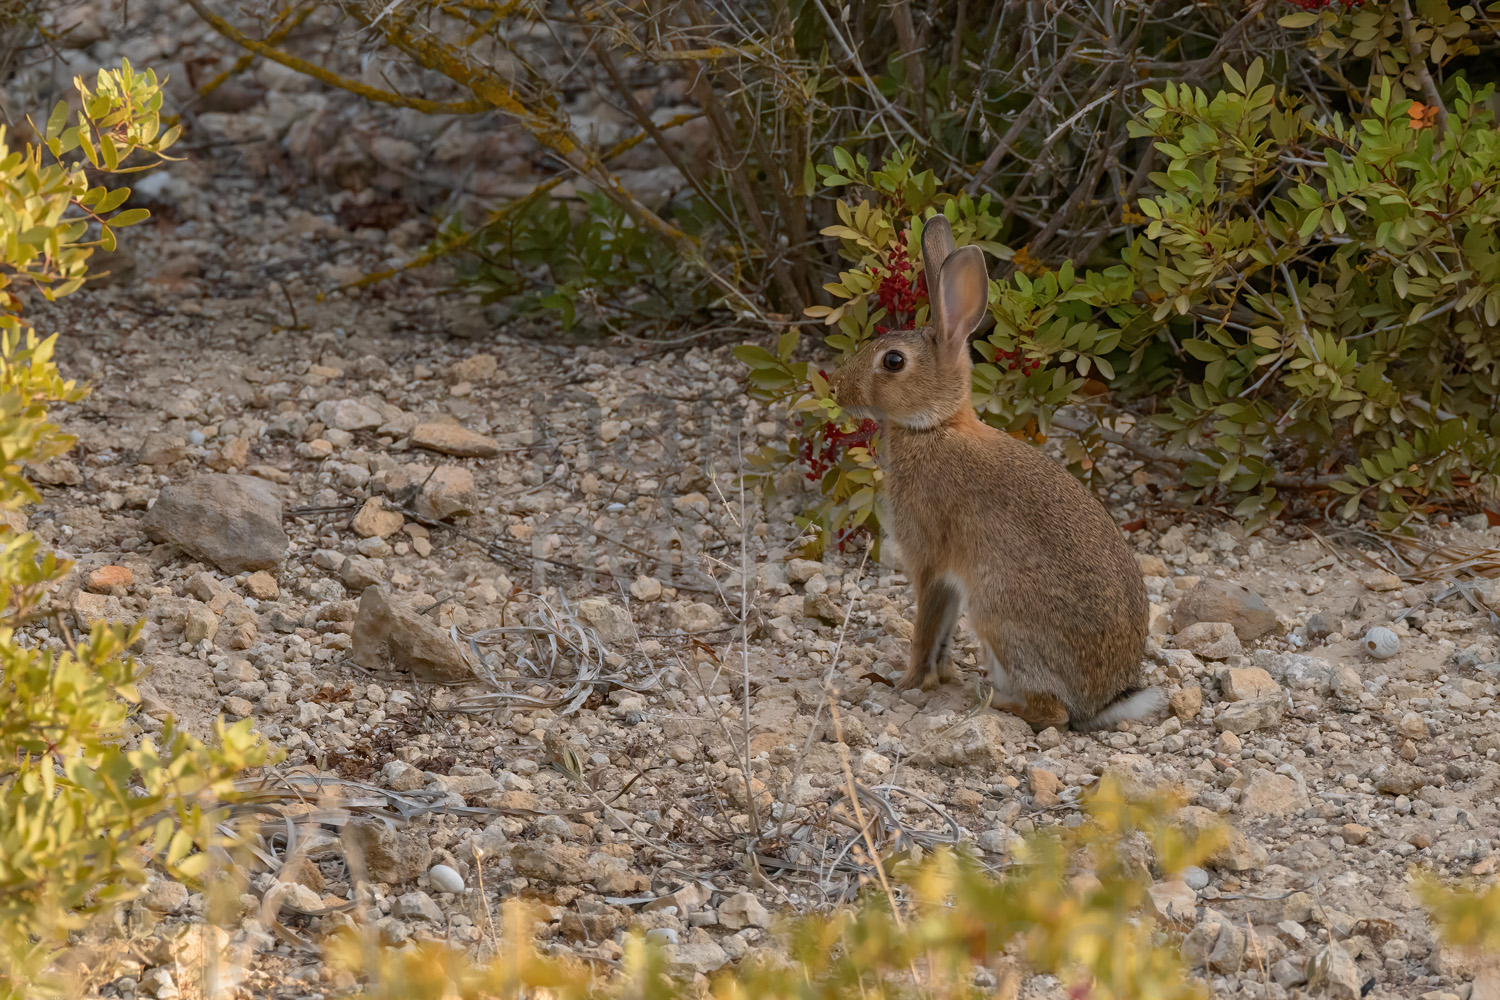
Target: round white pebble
445,879
1381,643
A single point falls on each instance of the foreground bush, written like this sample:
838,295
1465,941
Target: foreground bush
85,807
1073,906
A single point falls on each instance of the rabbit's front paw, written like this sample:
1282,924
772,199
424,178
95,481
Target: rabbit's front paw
918,676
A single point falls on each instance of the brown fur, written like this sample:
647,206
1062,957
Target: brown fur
987,522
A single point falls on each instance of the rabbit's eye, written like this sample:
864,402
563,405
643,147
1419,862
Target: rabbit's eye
893,361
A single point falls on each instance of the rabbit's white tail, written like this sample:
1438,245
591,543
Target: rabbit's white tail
1127,708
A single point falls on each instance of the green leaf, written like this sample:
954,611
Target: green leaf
1202,350
756,357
1310,224
58,120
129,217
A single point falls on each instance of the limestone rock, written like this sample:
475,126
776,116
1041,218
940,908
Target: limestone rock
374,521
451,439
451,491
416,904
233,522
695,616
1235,853
1246,683
1270,794
1257,713
1212,640
389,635
743,910
348,415
1333,970
984,742
389,855
90,608
1214,600
700,957
1173,902
610,620
109,579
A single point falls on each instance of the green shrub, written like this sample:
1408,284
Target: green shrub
544,256
84,806
999,101
1253,270
1311,305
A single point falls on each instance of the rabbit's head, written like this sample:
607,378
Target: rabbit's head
919,379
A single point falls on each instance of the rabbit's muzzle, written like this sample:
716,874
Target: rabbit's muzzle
848,392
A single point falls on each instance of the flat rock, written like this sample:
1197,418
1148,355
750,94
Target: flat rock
375,521
165,896
1333,971
109,579
986,742
161,449
451,439
1137,776
89,609
1402,779
399,776
348,415
1215,600
1212,640
700,957
1242,717
1245,683
743,910
1173,902
1382,582
359,573
613,877
449,492
1235,851
416,904
233,522
1270,794
389,855
389,635
55,471
695,616
610,620
560,863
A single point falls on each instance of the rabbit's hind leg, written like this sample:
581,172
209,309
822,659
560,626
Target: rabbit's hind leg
1038,710
1012,693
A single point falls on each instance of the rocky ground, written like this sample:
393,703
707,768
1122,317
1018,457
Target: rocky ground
306,501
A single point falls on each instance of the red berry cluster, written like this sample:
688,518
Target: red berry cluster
1017,361
1320,4
821,452
897,292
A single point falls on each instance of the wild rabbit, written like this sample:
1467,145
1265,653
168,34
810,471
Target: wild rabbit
986,523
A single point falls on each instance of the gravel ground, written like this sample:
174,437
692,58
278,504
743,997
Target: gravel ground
307,499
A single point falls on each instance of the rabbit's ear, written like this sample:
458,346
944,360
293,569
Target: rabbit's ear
962,295
937,244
